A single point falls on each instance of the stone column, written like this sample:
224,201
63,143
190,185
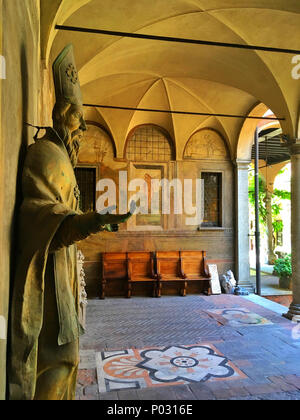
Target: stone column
242,270
294,310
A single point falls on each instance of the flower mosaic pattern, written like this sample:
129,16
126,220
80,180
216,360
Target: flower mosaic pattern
162,366
194,364
238,317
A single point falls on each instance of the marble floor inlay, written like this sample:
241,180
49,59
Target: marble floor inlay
158,366
238,317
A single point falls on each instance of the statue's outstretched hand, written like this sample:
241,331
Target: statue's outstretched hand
111,228
115,219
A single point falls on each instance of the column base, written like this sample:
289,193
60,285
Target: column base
294,313
248,286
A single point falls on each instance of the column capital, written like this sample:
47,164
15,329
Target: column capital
293,144
241,163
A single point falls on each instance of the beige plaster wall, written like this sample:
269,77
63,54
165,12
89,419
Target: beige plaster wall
19,103
174,234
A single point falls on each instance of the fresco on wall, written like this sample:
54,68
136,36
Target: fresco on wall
97,151
96,146
147,221
206,144
150,158
148,143
145,144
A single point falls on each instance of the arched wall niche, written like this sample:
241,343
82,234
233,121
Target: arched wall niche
97,145
206,143
154,143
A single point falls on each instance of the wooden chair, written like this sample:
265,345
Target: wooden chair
141,269
168,268
194,268
114,266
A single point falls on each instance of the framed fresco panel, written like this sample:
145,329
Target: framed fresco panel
145,220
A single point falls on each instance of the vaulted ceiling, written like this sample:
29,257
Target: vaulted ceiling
171,76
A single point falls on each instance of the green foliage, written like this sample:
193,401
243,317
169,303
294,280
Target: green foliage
283,266
283,194
277,197
277,226
261,198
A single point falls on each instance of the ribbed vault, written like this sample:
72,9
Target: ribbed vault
150,74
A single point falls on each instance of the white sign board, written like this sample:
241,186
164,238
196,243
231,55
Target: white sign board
215,281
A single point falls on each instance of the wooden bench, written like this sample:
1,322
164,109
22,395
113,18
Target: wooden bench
194,268
168,269
156,268
114,266
141,269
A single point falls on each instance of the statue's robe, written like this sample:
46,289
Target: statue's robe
45,328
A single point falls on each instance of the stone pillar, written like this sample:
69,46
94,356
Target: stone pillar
242,267
294,310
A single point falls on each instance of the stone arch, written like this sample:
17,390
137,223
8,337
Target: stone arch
246,136
269,174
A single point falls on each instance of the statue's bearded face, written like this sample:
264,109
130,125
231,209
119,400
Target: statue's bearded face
69,123
74,120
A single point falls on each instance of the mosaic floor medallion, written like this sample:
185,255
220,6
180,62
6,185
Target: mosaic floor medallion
160,366
238,317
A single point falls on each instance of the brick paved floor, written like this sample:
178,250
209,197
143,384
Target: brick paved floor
268,354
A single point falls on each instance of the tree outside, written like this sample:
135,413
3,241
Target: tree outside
274,216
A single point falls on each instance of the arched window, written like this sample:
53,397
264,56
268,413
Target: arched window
149,143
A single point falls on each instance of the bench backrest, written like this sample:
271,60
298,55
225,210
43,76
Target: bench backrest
168,263
140,264
114,265
117,264
193,263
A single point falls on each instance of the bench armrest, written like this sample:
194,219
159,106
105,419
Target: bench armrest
153,274
129,270
181,271
103,268
158,275
205,267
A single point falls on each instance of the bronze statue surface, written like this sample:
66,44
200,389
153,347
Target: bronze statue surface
45,328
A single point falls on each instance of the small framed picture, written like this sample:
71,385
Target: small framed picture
215,281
